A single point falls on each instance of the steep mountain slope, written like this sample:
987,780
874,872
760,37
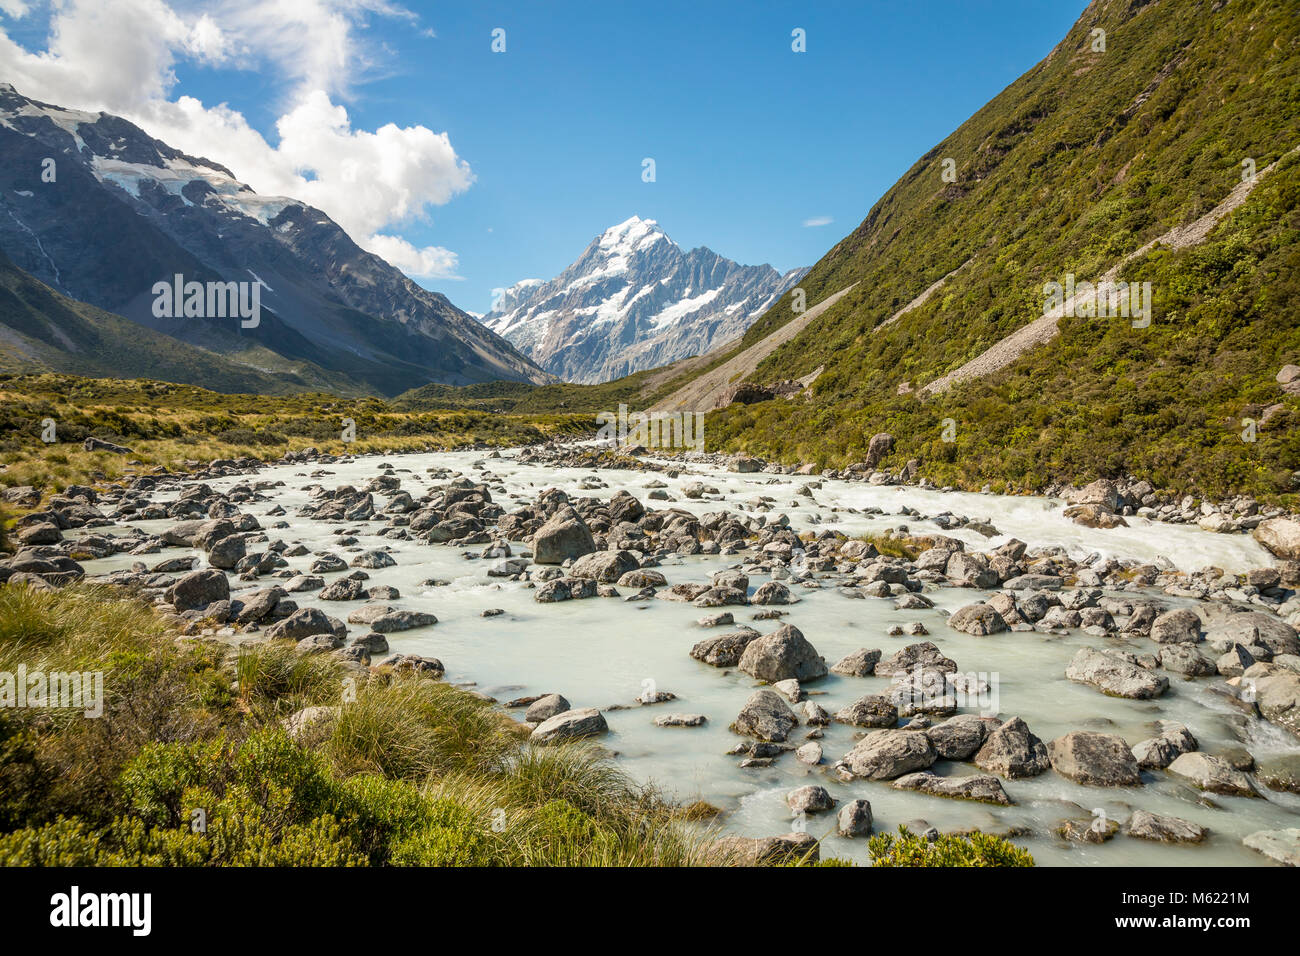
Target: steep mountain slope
1072,171
41,330
99,211
634,300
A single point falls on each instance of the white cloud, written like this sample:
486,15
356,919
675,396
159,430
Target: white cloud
817,221
431,262
14,8
120,56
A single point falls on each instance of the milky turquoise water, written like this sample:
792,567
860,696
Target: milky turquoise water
602,652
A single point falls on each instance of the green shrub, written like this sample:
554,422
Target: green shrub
155,781
976,849
452,836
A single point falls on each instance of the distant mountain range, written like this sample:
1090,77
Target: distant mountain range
634,300
100,213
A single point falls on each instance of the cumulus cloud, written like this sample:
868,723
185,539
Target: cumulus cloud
817,221
120,56
433,262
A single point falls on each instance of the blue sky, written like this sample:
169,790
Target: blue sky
750,139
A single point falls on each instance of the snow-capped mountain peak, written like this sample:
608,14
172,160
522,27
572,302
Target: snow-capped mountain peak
631,235
633,300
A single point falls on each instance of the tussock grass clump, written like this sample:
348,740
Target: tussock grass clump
411,727
893,547
274,679
193,762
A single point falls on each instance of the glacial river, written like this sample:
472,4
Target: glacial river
602,652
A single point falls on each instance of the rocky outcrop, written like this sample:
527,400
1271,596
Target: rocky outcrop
564,535
765,716
1212,774
1013,751
1115,675
1150,826
1097,760
570,725
781,655
981,787
886,754
1281,536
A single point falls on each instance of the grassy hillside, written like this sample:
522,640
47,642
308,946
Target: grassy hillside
1080,162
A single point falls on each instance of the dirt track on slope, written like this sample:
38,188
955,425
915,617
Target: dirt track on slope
1043,330
704,393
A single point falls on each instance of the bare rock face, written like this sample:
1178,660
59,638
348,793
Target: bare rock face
1159,752
1212,774
307,622
879,446
810,799
1277,694
1094,516
41,532
1181,626
1013,751
1225,625
570,725
980,787
854,819
861,663
604,566
724,650
385,619
1280,537
765,716
961,737
1115,676
544,708
1185,659
978,619
564,535
198,589
1280,845
887,754
1150,826
925,654
874,710
781,655
1098,760
773,592
1103,492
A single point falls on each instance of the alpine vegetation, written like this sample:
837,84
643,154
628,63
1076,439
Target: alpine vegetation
1102,300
